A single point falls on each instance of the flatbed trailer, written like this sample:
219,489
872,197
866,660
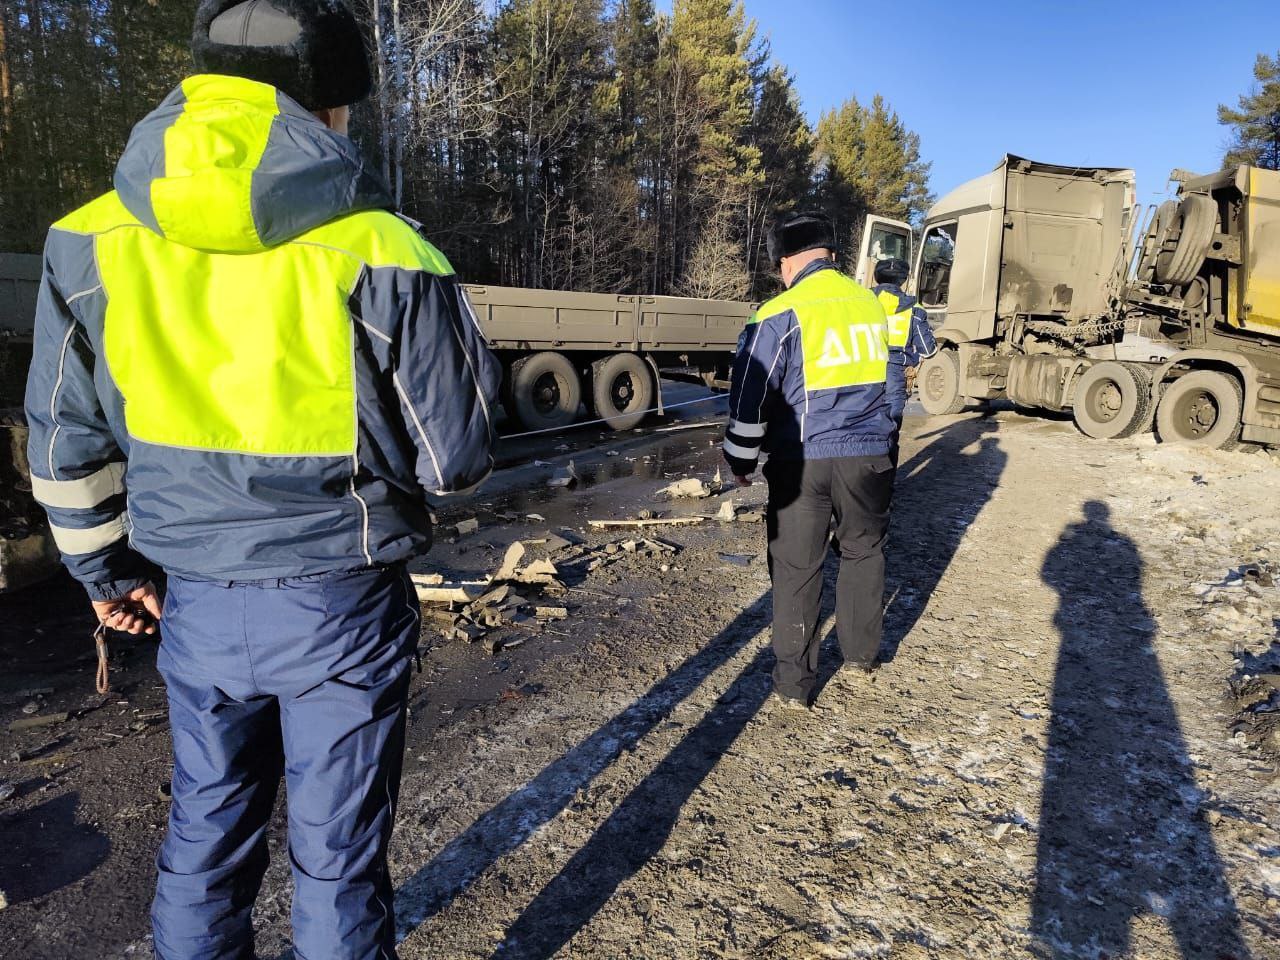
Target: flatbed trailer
560,349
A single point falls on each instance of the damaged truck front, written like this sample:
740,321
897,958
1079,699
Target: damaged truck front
1050,286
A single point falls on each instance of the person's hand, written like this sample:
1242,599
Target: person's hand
138,611
911,374
741,481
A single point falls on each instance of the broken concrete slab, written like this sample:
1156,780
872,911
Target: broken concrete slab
33,723
540,572
465,527
564,479
456,593
510,562
551,613
635,524
727,512
687,489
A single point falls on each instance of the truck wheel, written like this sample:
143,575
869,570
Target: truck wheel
1201,408
546,391
622,390
1157,235
1113,400
939,382
1193,224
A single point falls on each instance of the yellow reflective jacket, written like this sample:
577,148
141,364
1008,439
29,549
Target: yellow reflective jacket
246,365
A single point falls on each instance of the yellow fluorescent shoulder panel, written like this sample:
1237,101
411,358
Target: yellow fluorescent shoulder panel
98,216
380,239
237,353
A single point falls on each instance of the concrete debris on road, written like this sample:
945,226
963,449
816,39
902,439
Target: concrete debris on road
691,488
651,522
566,478
31,723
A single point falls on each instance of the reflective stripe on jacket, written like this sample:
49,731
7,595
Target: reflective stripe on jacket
910,336
245,366
809,376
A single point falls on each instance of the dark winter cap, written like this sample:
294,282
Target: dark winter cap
892,271
798,232
310,49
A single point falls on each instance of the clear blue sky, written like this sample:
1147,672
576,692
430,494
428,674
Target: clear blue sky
1058,82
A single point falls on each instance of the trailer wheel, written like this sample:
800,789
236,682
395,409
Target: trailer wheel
546,391
939,382
1113,400
1202,409
622,390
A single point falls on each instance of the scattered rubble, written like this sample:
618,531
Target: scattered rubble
691,488
566,478
31,723
466,527
650,522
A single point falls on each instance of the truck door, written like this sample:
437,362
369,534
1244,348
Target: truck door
882,239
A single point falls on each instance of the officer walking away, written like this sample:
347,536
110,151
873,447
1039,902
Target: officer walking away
910,338
809,389
250,373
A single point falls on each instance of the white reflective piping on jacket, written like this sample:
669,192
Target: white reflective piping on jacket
83,493
53,398
404,397
75,542
83,293
475,377
782,344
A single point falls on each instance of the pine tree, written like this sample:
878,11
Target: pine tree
868,162
1255,134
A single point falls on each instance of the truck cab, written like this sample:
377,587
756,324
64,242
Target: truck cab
1049,285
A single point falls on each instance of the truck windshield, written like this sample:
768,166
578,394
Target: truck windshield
935,264
887,245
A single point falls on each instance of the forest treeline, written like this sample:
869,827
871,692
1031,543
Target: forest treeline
572,144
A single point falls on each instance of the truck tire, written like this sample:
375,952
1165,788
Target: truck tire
1113,400
546,391
622,390
1194,224
1201,409
1157,235
939,383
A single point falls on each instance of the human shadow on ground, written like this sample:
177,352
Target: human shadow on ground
609,857
639,826
1121,832
48,849
938,495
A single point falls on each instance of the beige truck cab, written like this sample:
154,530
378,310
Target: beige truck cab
1050,285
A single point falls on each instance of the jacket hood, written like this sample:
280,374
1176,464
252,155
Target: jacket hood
230,165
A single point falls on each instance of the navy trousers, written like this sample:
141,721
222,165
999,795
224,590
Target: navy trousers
305,678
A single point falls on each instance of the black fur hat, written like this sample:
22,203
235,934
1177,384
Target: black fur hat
797,232
310,49
892,271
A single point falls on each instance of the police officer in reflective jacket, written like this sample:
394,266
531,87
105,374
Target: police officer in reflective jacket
910,337
250,374
809,389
